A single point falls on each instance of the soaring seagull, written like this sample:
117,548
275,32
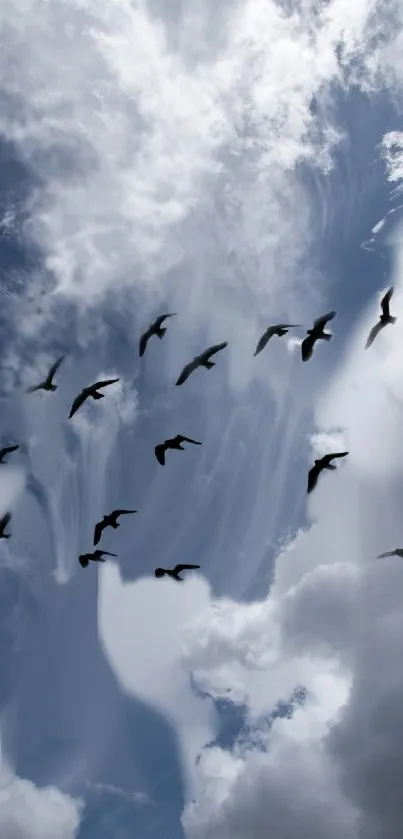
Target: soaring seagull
202,360
320,464
173,443
110,520
47,384
278,329
95,556
316,334
7,450
3,524
155,329
92,391
175,572
384,318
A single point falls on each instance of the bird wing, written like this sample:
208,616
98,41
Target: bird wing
307,347
78,401
122,512
98,529
385,302
160,320
270,331
313,476
328,457
54,368
8,450
187,370
103,383
387,553
374,332
160,453
5,520
215,348
179,568
34,388
182,439
144,341
321,322
104,553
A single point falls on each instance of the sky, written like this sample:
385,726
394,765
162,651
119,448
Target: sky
239,165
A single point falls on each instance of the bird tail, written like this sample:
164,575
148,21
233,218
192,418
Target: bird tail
161,331
392,319
327,336
208,364
83,562
331,466
52,387
115,524
98,395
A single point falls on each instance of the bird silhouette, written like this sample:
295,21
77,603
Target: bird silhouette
384,318
396,552
320,464
4,520
109,520
278,329
155,329
316,334
91,390
95,556
172,443
174,572
7,450
47,384
202,360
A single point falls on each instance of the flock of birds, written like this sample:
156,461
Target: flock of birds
315,334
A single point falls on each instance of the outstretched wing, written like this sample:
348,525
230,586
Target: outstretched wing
313,476
387,553
160,453
215,348
54,368
8,450
187,370
321,322
98,530
329,457
160,320
104,553
181,439
78,401
385,302
34,388
103,383
264,339
179,568
144,341
374,332
122,512
307,347
5,520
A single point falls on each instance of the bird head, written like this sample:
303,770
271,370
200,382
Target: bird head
159,572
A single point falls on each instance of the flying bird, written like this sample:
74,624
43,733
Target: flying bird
316,334
320,464
384,318
175,572
4,520
91,390
202,360
7,450
47,384
396,552
278,329
156,328
110,520
95,556
173,443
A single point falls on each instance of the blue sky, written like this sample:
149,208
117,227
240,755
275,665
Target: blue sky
230,166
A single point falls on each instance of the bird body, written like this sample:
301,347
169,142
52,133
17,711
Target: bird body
47,384
5,451
317,333
95,556
156,328
172,443
385,318
320,464
277,329
90,391
175,572
4,520
202,360
110,520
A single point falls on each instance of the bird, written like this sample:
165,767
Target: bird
47,384
7,450
172,443
202,360
156,328
396,552
320,464
4,520
278,329
174,572
95,556
109,520
86,392
316,334
384,318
